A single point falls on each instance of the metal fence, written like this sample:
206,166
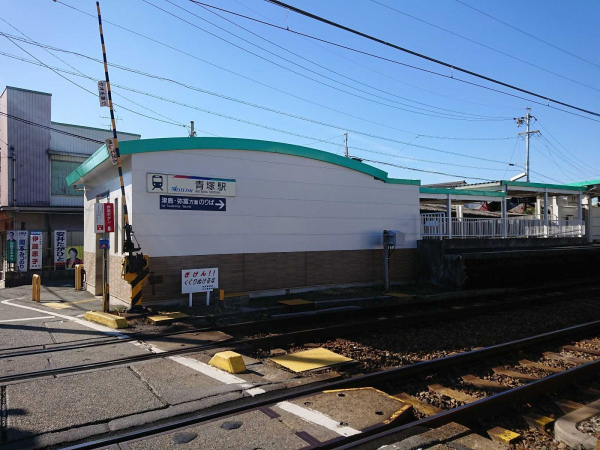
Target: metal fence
437,226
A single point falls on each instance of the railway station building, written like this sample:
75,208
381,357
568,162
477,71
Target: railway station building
271,217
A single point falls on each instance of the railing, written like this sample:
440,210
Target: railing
436,226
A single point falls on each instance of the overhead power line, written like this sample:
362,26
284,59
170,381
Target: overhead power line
371,69
430,113
187,86
331,70
428,171
56,130
428,58
486,46
529,34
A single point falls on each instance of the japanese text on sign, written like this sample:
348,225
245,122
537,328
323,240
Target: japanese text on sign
193,203
11,247
199,280
104,218
103,93
160,183
22,250
110,145
35,249
60,248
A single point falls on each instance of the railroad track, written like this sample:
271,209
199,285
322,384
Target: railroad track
491,404
556,291
453,311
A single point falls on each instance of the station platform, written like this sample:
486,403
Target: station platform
477,263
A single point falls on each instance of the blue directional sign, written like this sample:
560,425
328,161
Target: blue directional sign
104,244
193,203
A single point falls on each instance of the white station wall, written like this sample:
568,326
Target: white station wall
283,203
105,180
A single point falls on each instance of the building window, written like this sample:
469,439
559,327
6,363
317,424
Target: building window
59,172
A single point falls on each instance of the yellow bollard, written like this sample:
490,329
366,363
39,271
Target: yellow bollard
78,277
36,288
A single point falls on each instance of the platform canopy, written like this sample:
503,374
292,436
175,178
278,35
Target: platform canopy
440,195
524,189
592,188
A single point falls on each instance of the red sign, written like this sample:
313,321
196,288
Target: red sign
109,217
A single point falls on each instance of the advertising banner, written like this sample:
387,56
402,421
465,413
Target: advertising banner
22,250
11,247
35,249
60,248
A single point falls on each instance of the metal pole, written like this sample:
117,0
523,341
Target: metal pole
449,212
504,218
105,301
527,148
346,143
386,265
580,213
192,132
546,224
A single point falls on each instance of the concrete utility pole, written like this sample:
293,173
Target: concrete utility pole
346,144
520,121
192,132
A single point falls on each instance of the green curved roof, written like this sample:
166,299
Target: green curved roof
195,143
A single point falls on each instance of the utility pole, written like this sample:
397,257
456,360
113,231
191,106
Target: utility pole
192,132
346,144
520,122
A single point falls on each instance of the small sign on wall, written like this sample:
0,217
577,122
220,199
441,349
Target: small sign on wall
112,152
104,218
35,248
193,203
199,280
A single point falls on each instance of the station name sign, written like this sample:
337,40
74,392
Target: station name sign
160,183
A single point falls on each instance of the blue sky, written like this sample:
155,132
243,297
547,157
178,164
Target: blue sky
573,156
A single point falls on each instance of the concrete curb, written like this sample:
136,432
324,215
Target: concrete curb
108,320
565,428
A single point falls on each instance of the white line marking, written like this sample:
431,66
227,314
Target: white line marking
223,377
194,364
26,318
317,418
85,323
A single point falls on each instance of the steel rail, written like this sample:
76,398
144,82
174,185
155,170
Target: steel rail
302,336
471,412
263,325
374,379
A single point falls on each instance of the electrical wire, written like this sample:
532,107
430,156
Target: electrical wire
428,58
578,167
81,73
81,87
559,143
56,130
486,46
330,70
233,99
437,115
529,34
259,82
511,157
378,72
427,171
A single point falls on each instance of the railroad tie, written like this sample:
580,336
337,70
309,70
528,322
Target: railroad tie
542,423
452,393
504,436
531,364
424,408
514,374
568,406
484,384
589,351
559,357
